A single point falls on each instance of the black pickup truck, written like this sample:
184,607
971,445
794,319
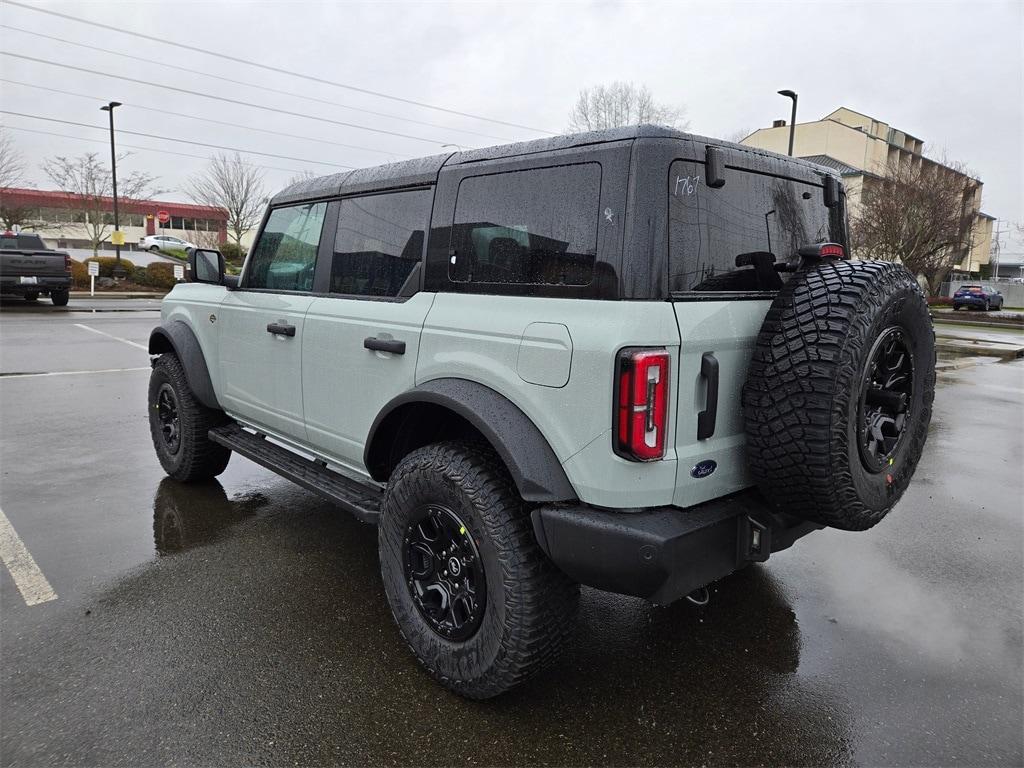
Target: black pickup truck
28,269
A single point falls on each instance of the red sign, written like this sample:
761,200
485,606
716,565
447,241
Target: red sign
163,217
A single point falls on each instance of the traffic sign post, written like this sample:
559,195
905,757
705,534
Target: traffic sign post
179,272
163,217
94,270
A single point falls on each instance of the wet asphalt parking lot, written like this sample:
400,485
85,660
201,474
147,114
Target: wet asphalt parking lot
243,622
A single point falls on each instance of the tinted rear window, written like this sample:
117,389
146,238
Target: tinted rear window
23,242
752,212
379,242
537,226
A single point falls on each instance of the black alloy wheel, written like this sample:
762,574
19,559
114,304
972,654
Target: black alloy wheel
886,391
170,422
444,572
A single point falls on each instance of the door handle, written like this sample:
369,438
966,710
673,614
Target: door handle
281,329
385,345
706,418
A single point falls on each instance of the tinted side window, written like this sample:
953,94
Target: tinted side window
379,242
285,256
753,213
537,226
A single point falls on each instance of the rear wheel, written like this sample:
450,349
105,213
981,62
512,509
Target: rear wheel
839,394
154,248
179,425
478,602
60,298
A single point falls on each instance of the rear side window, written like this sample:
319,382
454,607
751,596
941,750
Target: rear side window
379,242
752,213
285,256
537,226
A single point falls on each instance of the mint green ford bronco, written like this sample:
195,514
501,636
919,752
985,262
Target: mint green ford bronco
635,359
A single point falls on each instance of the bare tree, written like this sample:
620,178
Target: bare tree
738,135
619,104
86,181
301,176
12,175
920,214
235,186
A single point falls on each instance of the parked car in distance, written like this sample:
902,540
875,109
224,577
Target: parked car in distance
29,269
983,297
157,242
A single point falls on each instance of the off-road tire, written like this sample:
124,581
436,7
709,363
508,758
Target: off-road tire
31,298
60,298
197,457
530,605
801,399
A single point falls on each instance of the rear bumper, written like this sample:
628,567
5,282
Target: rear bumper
663,554
13,285
964,301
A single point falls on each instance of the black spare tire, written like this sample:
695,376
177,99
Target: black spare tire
839,393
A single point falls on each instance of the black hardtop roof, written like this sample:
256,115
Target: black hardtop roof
424,170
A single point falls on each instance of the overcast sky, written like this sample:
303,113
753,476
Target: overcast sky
949,73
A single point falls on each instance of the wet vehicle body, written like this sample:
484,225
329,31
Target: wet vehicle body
555,363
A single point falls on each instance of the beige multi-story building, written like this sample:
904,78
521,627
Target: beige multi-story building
863,150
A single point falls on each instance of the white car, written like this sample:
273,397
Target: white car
156,242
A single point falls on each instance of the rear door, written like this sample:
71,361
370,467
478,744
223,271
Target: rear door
362,334
263,322
720,300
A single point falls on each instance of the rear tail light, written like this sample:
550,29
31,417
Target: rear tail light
641,404
67,263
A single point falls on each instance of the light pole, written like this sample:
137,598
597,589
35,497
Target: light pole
116,237
792,121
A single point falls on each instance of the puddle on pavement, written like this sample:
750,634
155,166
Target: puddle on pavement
185,516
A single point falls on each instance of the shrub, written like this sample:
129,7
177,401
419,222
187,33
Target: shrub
79,274
175,253
940,301
232,253
160,275
107,266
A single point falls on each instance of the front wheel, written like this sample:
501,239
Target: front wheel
179,425
477,600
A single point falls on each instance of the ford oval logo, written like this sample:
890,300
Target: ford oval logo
703,468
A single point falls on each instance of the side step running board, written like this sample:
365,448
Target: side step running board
361,500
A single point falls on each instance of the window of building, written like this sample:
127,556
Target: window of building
753,213
537,226
285,255
177,222
379,242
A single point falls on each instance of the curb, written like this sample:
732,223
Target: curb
117,295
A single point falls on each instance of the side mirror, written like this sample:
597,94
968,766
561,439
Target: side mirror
206,266
714,171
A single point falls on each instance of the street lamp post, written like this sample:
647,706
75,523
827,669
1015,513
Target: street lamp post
792,121
118,269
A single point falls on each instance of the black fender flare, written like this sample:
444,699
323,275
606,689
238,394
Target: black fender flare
179,338
534,467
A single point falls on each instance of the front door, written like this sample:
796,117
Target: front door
361,341
263,323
